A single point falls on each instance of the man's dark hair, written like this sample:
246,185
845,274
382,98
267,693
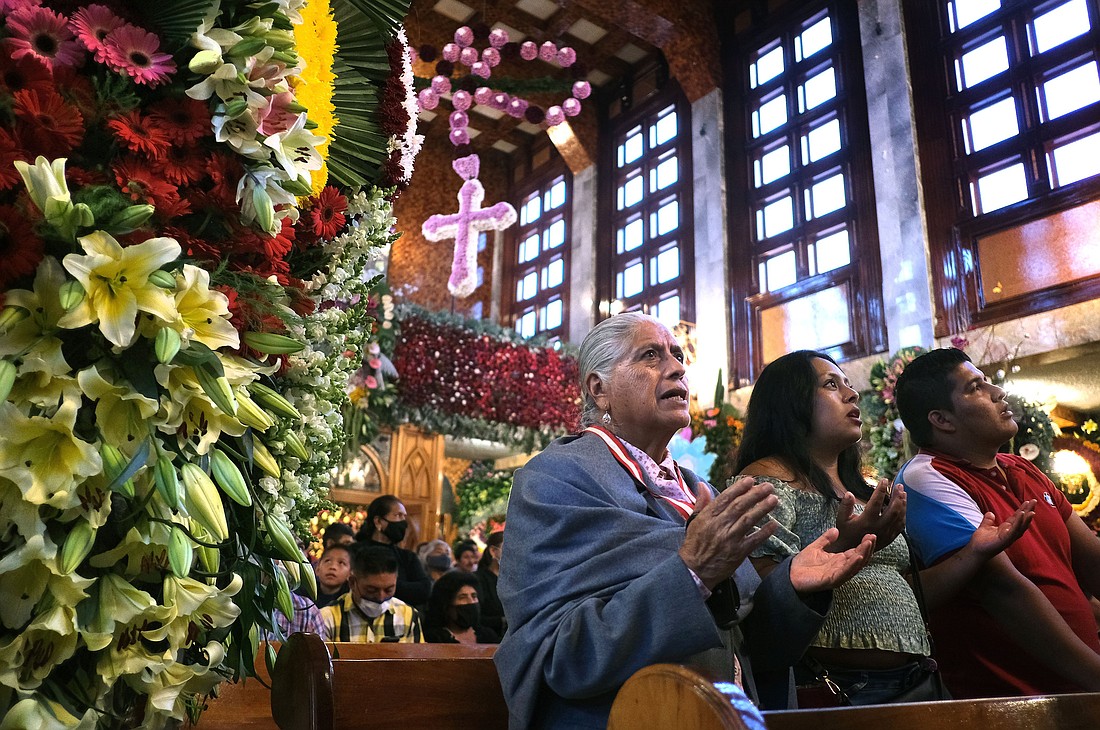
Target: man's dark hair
778,420
335,531
466,546
925,386
373,560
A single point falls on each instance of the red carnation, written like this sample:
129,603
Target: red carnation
47,125
139,134
327,215
20,247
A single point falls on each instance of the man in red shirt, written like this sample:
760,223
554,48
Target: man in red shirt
1024,626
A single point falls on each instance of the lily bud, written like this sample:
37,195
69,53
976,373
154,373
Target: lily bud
129,219
295,447
236,108
249,46
166,345
282,595
78,543
269,398
309,579
264,459
114,464
205,62
70,294
282,539
203,501
167,482
270,343
8,372
11,316
181,553
229,477
163,279
251,414
217,389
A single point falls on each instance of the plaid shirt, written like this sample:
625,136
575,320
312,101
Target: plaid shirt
307,617
345,622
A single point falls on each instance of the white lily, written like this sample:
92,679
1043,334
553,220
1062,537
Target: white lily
296,148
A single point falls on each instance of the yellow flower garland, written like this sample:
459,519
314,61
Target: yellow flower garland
315,38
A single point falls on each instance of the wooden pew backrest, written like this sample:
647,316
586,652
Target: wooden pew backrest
319,686
675,697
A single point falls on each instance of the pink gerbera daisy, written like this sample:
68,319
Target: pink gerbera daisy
91,25
44,34
10,6
134,51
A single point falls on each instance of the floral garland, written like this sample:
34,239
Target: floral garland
481,500
176,334
444,365
886,443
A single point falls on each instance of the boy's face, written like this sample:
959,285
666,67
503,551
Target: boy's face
333,570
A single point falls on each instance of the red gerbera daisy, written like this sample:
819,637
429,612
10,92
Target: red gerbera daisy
20,247
44,34
26,73
47,125
80,177
135,51
184,120
9,153
144,185
138,134
91,25
327,214
181,165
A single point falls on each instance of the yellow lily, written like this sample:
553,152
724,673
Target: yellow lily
43,714
204,312
28,657
44,457
189,413
28,573
45,181
144,552
43,304
44,378
122,413
117,286
16,511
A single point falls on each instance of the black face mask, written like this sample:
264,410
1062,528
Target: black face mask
395,531
467,615
439,562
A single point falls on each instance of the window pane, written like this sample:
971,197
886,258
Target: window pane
527,287
666,266
630,237
813,39
818,90
813,322
664,129
529,249
555,235
964,12
631,193
1002,188
773,165
668,311
553,273
552,315
982,63
1059,25
531,210
629,281
1076,160
631,149
769,116
555,196
777,217
667,218
767,67
1072,90
990,125
821,142
826,196
781,271
832,252
666,174
526,325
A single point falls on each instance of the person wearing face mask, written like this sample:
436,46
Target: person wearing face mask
370,613
436,557
453,615
488,571
385,527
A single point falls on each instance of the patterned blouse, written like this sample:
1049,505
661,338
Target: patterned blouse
876,608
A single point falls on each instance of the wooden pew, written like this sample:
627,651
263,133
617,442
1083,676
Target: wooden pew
690,701
319,686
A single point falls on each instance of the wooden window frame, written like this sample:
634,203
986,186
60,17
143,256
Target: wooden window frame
863,273
953,228
541,180
607,258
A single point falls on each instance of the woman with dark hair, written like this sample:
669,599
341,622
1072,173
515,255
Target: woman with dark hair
385,525
488,570
453,615
802,433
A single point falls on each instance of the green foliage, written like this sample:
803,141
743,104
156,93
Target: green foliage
481,496
722,428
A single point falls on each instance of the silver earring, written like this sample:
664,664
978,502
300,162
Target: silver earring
606,418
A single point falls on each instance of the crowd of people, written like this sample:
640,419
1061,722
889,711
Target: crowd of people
969,575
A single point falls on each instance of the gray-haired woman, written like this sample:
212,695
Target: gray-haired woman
617,558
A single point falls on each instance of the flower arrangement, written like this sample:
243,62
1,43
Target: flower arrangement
481,500
886,443
722,428
472,379
352,517
181,311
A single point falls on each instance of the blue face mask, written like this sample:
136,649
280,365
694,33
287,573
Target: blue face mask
439,562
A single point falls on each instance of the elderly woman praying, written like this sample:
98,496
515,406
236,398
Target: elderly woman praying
618,558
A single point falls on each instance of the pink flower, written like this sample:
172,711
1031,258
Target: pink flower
91,25
10,6
371,382
44,34
276,116
133,50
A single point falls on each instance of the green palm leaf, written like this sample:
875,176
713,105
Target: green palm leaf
175,21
